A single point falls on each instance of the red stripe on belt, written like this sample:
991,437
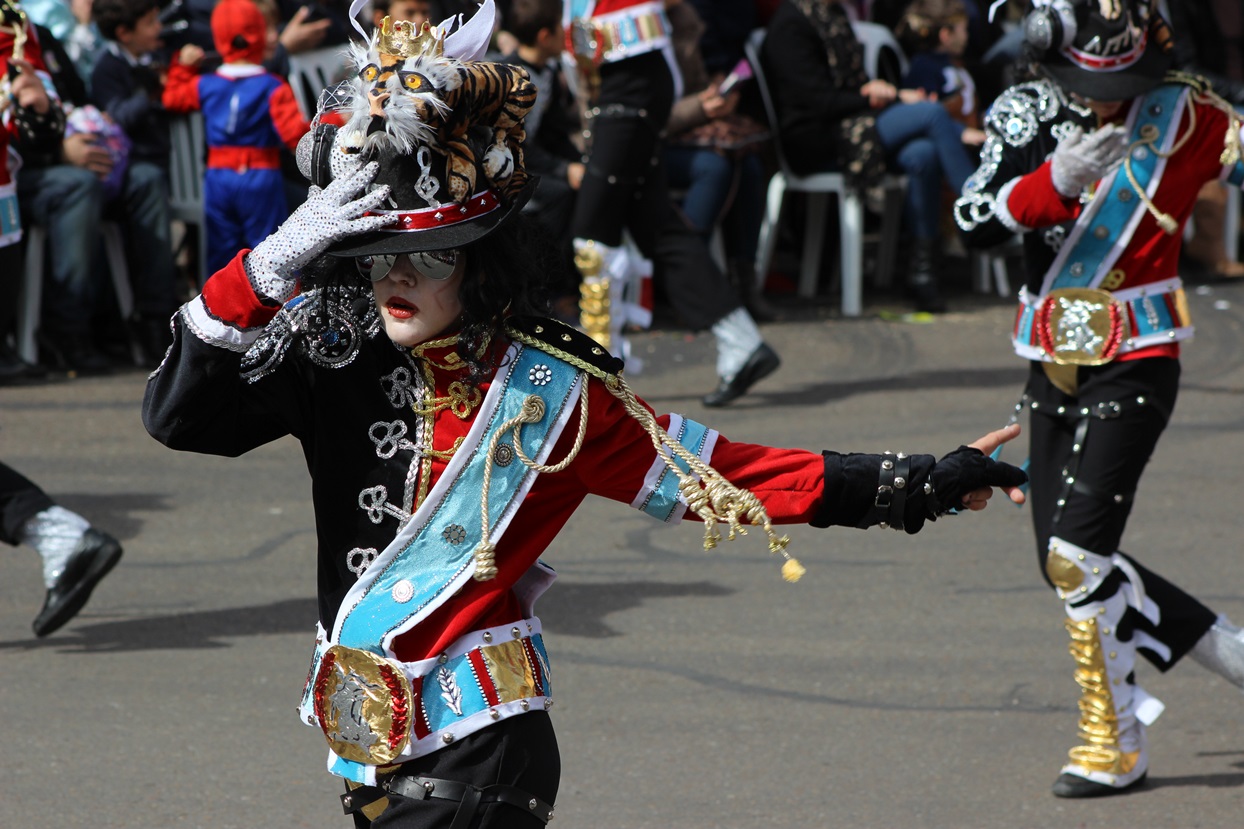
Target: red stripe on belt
485,679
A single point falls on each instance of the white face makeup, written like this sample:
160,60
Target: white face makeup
414,306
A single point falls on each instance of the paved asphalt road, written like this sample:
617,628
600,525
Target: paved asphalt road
905,682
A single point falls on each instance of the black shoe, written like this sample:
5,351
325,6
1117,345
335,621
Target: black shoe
73,352
96,555
15,370
762,362
927,299
1075,786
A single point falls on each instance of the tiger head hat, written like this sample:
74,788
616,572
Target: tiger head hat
445,127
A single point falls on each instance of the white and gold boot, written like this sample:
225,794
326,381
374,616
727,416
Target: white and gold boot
1114,711
610,295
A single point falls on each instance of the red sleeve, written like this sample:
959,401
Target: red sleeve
787,481
181,90
286,116
1034,202
230,299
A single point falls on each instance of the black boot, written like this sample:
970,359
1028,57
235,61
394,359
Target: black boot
922,281
154,335
75,352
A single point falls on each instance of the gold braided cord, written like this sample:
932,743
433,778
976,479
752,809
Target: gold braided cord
1202,93
532,411
445,454
461,400
707,493
578,439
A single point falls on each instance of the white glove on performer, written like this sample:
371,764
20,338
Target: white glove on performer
327,216
1078,161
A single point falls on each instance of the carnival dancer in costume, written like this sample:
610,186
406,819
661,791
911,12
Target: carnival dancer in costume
450,434
1098,164
629,81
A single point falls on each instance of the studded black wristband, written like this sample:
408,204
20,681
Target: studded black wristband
891,497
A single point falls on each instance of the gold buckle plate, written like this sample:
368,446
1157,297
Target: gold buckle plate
364,704
1081,326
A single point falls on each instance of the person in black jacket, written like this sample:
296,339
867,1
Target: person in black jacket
127,85
832,117
549,151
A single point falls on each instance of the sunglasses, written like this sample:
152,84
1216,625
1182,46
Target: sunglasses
434,264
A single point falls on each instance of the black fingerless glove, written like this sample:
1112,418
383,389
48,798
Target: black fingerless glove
903,491
966,469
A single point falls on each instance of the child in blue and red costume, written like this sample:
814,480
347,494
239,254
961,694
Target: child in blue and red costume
249,113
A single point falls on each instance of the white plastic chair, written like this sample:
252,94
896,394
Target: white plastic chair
877,40
187,163
30,295
310,73
818,187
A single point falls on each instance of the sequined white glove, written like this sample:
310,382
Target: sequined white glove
1080,160
327,216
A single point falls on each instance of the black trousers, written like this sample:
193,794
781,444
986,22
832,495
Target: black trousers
520,751
624,189
1113,454
20,500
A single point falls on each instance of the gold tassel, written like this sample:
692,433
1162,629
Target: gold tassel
707,493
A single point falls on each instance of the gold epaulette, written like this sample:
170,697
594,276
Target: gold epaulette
566,343
1203,93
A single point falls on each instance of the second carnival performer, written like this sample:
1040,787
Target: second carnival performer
1097,164
450,433
628,82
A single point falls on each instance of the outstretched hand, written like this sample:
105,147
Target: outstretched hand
978,499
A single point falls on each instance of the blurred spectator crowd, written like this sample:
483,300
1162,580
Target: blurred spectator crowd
90,144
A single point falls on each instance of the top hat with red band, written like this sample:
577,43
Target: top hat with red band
445,128
1104,50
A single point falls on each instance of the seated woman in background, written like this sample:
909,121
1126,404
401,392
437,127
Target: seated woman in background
712,158
833,118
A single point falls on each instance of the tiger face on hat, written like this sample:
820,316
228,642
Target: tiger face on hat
445,127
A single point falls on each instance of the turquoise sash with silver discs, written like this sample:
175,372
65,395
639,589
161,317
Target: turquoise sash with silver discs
1104,228
429,561
1076,319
